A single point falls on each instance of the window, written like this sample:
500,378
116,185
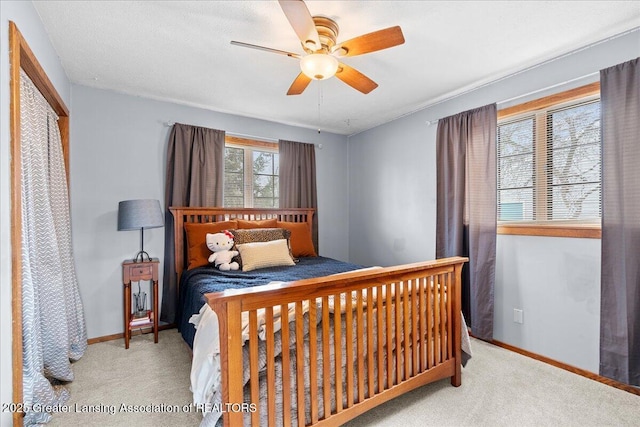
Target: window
549,164
250,173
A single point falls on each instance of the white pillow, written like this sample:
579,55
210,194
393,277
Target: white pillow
264,254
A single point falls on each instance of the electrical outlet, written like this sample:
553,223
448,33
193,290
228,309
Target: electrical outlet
518,315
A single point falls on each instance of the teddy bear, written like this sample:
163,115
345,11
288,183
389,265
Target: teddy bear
220,244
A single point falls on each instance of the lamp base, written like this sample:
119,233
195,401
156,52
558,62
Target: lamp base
140,257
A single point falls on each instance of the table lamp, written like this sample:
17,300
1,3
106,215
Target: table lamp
138,215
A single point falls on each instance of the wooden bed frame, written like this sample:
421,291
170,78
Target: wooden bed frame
414,307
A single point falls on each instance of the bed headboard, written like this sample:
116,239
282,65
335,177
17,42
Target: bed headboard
182,215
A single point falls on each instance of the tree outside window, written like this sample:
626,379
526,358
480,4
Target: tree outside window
255,185
549,164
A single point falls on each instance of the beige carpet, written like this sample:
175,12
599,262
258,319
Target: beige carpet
108,376
502,388
499,388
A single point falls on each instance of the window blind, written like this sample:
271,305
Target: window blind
251,177
549,164
265,179
573,162
516,170
234,177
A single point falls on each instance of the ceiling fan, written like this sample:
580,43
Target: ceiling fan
318,36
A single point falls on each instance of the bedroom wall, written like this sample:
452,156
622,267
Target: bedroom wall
28,22
118,152
392,214
556,282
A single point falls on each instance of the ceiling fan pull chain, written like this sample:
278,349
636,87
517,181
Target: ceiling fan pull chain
320,99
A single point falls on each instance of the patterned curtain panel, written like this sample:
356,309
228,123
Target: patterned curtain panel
467,207
620,285
195,173
53,320
298,179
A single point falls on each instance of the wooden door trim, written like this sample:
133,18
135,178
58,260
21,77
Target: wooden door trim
21,56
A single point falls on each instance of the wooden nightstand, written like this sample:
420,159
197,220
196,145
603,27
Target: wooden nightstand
133,272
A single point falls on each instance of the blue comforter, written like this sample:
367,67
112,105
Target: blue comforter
199,281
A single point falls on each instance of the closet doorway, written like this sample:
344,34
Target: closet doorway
21,57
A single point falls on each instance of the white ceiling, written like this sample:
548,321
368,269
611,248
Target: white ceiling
179,51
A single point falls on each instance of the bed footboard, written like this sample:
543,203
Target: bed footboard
322,351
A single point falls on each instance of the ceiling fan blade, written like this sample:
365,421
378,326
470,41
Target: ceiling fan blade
355,79
300,19
299,84
266,49
371,42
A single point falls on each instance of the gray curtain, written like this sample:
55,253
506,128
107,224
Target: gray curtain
53,328
297,178
195,174
620,285
466,207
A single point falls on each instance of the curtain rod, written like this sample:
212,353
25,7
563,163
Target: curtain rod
238,135
504,101
242,135
549,87
430,122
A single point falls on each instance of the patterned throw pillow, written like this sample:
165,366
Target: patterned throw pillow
259,235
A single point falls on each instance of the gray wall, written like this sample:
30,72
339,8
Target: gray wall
392,214
118,150
28,22
556,282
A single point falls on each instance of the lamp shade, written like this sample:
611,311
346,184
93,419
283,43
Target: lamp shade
139,214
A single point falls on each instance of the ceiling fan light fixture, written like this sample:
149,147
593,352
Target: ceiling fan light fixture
319,66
